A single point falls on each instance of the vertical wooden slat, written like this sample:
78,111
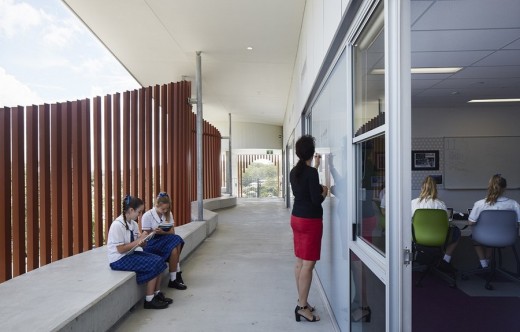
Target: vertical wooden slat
133,144
170,142
108,162
116,125
126,144
86,178
141,128
156,142
5,194
177,210
164,138
45,185
148,155
66,201
56,185
98,173
18,192
77,199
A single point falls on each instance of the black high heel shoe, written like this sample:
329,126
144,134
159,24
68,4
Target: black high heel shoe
366,315
298,316
311,308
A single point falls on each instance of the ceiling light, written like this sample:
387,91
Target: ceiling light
505,100
424,70
249,48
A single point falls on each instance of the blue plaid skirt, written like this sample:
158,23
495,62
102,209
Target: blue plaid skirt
162,245
145,265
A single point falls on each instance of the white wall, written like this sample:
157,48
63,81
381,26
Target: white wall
320,22
481,120
247,135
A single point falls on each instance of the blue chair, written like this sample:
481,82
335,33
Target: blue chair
495,229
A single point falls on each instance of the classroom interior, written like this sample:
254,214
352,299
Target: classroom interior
474,140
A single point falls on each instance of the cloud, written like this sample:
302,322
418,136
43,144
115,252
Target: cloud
15,93
15,17
60,33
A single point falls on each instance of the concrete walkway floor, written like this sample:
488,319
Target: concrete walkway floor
240,279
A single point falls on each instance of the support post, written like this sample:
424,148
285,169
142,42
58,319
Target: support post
230,159
200,152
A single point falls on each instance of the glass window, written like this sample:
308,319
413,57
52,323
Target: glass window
370,176
369,75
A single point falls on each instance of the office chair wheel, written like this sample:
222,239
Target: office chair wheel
488,286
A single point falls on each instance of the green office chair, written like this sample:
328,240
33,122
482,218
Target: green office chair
430,231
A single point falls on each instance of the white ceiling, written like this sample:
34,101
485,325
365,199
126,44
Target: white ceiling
156,41
481,36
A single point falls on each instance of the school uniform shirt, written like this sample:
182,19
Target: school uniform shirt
382,198
428,203
503,203
151,219
118,235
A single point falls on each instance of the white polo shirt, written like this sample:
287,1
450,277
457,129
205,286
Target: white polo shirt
503,203
118,235
428,203
151,219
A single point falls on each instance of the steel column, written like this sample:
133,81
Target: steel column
200,133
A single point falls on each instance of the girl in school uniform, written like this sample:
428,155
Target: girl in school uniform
495,200
123,236
165,243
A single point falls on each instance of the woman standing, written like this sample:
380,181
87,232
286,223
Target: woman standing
165,243
495,200
123,237
306,222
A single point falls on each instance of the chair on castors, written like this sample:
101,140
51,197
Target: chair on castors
430,233
494,229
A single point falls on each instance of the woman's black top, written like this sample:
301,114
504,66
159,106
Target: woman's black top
307,192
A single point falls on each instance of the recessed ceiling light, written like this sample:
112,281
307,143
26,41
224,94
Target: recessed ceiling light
505,100
249,48
424,70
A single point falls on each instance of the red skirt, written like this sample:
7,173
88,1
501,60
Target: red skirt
307,237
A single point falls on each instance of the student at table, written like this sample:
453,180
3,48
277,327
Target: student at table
495,200
428,200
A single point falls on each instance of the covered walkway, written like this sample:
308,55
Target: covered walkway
240,279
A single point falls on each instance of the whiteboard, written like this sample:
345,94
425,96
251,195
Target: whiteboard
469,162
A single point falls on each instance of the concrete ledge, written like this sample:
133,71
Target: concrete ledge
82,293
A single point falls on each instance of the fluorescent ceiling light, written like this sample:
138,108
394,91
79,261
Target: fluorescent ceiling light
249,48
510,100
424,70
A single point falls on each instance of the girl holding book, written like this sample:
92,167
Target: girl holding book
165,243
125,253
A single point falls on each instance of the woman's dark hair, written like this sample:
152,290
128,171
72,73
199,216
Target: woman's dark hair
304,151
130,202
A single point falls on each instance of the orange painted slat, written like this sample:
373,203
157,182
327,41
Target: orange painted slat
56,183
86,186
5,194
18,192
116,131
164,138
156,142
176,193
98,173
170,141
66,163
126,147
148,154
141,125
45,185
109,209
77,200
133,144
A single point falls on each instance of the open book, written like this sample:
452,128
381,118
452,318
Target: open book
165,226
147,238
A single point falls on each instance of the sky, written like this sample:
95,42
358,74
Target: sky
48,55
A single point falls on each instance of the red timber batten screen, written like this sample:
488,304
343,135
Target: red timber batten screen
64,168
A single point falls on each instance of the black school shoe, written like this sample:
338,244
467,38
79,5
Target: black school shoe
178,283
163,298
155,303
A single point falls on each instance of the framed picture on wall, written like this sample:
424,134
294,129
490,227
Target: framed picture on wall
425,160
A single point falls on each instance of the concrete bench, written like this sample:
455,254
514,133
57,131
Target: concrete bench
81,293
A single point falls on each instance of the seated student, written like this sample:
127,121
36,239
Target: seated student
123,235
428,200
493,201
165,243
382,198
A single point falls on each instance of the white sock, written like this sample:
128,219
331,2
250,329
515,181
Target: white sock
173,275
447,258
178,267
149,298
157,292
484,263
